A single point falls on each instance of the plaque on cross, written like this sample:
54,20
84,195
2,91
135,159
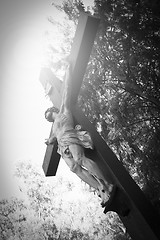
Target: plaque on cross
135,211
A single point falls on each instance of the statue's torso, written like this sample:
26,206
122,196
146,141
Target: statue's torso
63,123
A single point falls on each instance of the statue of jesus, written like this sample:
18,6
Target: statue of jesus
72,141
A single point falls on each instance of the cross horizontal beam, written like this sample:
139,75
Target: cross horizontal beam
53,88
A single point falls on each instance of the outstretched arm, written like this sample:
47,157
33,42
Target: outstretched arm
66,98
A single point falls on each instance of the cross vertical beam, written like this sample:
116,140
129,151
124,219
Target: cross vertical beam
81,50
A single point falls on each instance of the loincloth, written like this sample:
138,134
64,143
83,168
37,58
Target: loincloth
73,136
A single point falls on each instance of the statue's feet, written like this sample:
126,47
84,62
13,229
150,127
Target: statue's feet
107,196
111,196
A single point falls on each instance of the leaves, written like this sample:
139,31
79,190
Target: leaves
59,209
120,96
120,93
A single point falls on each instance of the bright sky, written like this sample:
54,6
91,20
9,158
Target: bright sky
22,102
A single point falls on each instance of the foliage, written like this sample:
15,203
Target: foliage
121,90
40,212
122,82
126,84
120,96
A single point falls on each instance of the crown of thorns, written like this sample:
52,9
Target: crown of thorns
51,109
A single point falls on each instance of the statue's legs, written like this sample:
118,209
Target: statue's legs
82,173
92,175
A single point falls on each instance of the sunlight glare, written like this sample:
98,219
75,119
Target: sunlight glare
29,53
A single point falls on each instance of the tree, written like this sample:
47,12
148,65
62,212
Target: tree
123,77
120,94
126,84
52,210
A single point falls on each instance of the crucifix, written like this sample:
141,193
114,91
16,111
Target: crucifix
129,202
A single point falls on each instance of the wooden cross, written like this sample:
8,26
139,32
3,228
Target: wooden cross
135,211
